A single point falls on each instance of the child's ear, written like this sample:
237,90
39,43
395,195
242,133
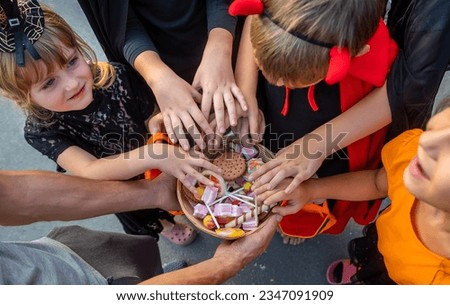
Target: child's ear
364,50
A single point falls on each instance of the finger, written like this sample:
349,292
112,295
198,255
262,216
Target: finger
169,129
231,108
179,132
192,129
287,210
183,179
200,119
196,96
208,165
206,104
280,176
263,169
219,111
294,183
154,126
275,197
237,93
243,131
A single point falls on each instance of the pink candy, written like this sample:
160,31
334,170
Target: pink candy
200,211
223,210
210,194
250,224
249,152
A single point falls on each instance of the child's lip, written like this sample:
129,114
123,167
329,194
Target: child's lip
417,170
77,94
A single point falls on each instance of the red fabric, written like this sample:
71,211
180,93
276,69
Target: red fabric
285,109
366,72
312,99
246,7
339,65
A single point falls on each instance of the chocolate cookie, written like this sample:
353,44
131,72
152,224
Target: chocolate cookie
233,165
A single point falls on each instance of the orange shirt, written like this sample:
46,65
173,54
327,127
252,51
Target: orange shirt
407,260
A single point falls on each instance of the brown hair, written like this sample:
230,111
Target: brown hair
16,82
343,23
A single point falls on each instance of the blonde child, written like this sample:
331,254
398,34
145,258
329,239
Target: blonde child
414,231
85,115
319,59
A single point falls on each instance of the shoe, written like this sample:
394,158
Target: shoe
340,272
175,265
180,234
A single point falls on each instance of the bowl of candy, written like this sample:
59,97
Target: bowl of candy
229,209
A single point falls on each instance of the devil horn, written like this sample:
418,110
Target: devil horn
246,7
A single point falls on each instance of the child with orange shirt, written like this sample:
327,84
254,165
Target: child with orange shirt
414,231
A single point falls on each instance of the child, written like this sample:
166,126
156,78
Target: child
179,48
335,52
87,116
414,231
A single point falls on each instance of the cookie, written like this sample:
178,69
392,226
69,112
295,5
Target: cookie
188,194
233,165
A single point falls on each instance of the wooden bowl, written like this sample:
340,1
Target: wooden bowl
187,204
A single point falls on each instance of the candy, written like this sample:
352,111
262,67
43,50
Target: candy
250,224
208,222
200,211
209,194
230,232
222,209
249,152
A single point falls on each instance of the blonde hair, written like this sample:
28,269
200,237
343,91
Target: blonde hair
343,23
16,82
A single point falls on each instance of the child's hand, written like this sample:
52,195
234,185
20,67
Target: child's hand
180,164
156,124
215,79
296,199
296,161
180,112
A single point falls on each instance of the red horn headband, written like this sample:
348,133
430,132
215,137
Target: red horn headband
339,57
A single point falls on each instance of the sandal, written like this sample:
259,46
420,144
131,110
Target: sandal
180,234
340,272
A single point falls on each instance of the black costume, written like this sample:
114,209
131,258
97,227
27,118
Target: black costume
176,30
113,123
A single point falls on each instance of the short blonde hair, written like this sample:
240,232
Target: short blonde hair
16,82
343,23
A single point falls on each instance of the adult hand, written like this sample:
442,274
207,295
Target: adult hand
298,160
165,192
181,164
215,79
247,248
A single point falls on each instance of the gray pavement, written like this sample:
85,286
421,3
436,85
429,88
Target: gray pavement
280,264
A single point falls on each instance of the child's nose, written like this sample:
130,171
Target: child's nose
435,141
70,83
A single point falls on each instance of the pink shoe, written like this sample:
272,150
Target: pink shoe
180,234
340,272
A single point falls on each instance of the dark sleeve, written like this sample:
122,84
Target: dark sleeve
422,31
136,38
140,93
107,19
46,140
218,16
